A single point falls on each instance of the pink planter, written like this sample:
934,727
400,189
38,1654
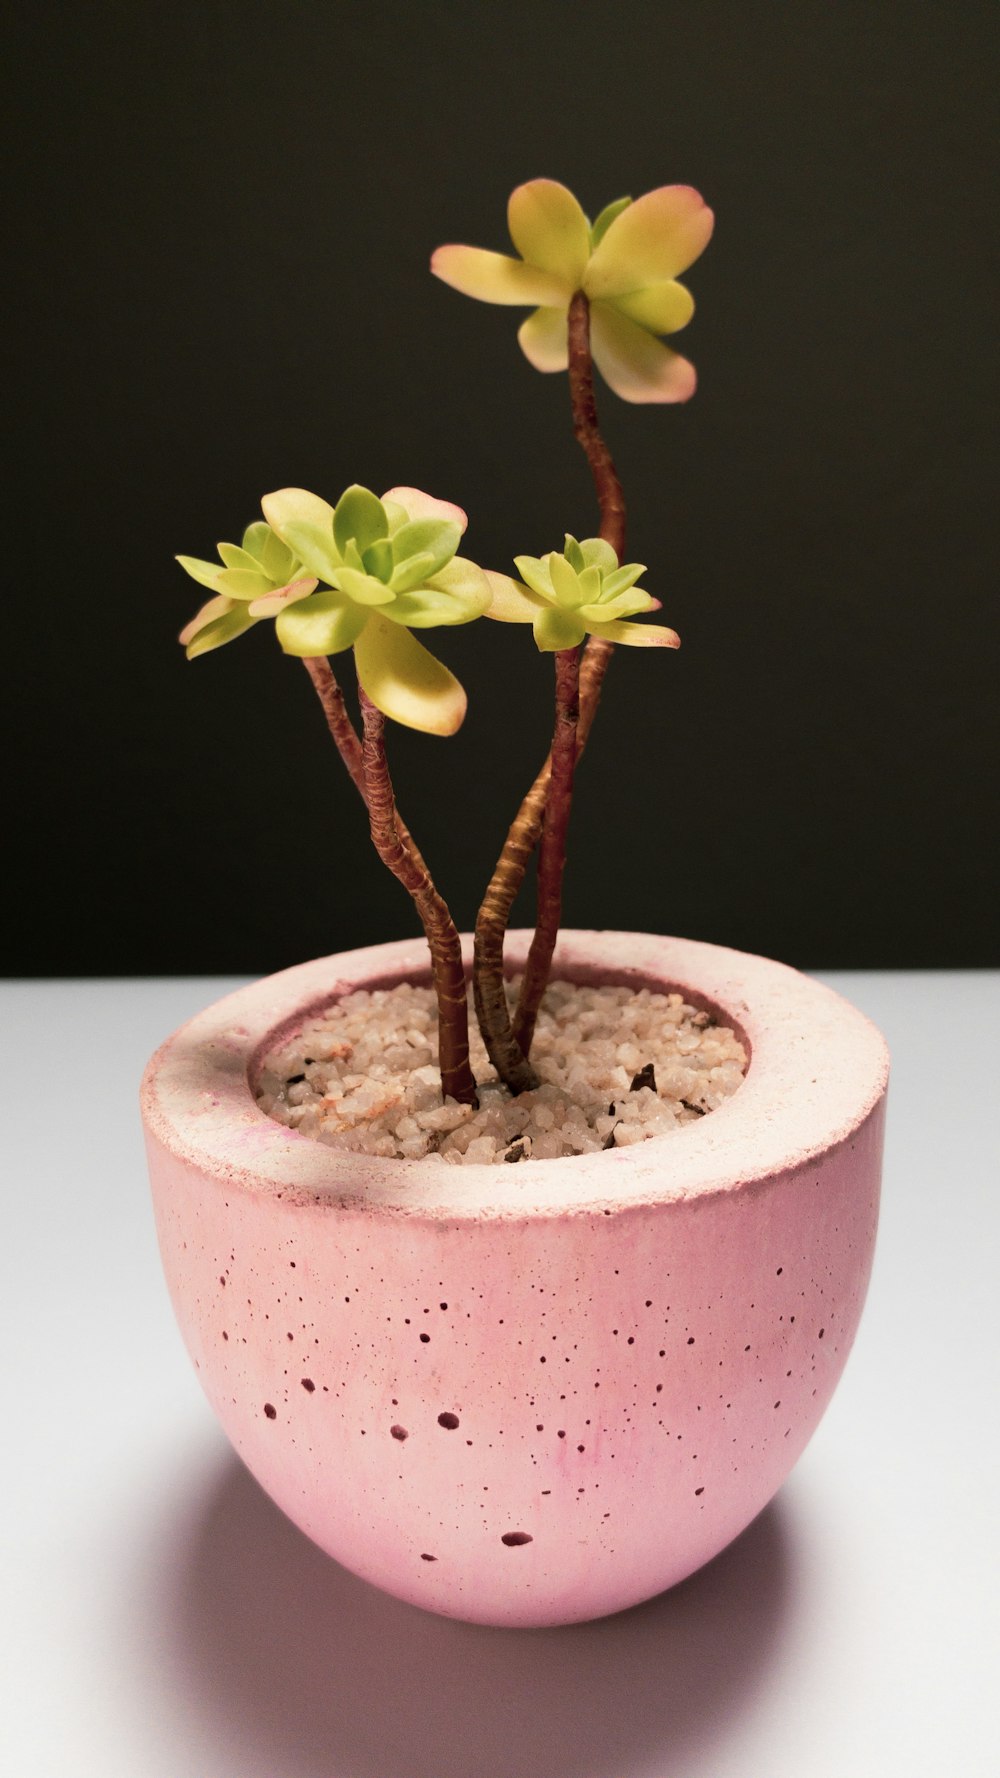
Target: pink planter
527,1394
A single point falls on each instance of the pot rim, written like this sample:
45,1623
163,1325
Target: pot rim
818,1070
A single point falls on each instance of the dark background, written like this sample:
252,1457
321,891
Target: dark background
223,214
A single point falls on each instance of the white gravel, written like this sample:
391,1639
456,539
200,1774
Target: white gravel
364,1076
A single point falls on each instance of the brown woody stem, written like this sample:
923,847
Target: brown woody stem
492,1010
349,743
586,430
552,848
337,719
457,1080
505,1052
487,974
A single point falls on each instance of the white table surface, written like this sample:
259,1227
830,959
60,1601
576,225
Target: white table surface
161,1619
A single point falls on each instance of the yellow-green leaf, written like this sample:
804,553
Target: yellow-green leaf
428,606
415,504
363,587
606,611
377,559
325,623
397,515
556,628
205,573
544,338
237,583
359,516
637,635
621,579
662,308
537,574
273,602
235,557
652,240
603,222
590,583
496,277
549,229
466,579
512,603
223,629
574,554
302,520
414,571
566,582
405,681
635,364
438,538
598,554
201,619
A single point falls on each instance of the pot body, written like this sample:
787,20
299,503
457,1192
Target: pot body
533,1394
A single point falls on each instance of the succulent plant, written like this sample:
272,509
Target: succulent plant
364,574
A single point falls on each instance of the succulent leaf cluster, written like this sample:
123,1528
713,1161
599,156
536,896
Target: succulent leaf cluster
255,579
626,263
577,591
360,575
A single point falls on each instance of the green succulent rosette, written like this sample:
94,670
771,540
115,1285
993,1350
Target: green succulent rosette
246,574
578,591
626,263
363,574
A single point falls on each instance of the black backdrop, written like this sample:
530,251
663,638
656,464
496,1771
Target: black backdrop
224,214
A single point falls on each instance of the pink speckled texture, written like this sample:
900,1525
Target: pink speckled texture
610,1361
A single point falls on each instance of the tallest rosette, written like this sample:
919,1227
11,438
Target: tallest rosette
626,263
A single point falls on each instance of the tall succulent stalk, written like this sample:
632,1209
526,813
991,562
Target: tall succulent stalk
547,804
587,431
457,1080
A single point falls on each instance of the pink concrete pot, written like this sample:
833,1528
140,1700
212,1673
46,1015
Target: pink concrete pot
526,1394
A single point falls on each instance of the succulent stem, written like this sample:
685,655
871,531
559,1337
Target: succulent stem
587,431
499,1032
348,742
492,1010
552,847
337,719
457,1080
